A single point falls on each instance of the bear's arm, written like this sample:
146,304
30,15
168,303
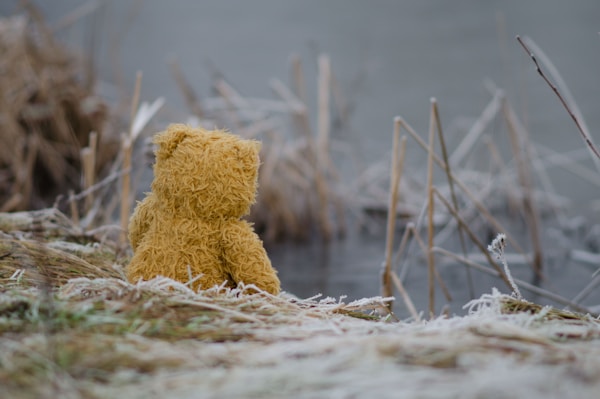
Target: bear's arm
141,219
246,259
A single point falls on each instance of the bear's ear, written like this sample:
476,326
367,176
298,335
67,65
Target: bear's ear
168,140
249,149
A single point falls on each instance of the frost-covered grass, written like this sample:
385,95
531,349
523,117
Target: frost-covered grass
71,327
106,338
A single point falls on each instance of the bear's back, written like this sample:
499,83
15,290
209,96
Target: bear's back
179,248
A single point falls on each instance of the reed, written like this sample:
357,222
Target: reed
569,104
398,151
441,138
520,148
430,207
88,158
46,116
127,148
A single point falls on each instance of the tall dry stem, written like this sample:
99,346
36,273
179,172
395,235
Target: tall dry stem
574,114
88,162
430,208
323,123
520,144
398,151
438,123
127,148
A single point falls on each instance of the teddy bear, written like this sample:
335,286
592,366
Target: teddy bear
189,225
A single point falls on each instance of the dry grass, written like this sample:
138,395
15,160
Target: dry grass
47,114
41,247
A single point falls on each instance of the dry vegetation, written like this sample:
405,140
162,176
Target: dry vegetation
53,125
70,326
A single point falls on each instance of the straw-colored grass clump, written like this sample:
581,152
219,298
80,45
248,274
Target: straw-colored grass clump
49,115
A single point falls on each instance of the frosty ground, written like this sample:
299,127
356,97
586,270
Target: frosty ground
157,339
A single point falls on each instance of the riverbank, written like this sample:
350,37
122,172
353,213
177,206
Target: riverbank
72,327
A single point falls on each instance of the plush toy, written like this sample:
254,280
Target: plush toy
189,225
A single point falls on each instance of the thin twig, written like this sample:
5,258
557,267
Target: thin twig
461,236
584,135
323,118
430,207
523,284
127,148
88,161
480,207
474,238
520,143
404,294
436,274
398,150
476,130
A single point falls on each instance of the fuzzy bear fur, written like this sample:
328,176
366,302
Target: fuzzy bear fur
204,182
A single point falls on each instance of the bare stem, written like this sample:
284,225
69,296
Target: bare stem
438,123
585,137
523,284
430,207
127,148
398,151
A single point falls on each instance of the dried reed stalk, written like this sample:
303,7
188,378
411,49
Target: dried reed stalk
477,129
438,123
74,210
76,14
410,227
473,238
398,151
323,123
436,274
574,114
189,95
520,144
301,119
480,207
405,297
88,163
127,148
430,208
234,100
298,78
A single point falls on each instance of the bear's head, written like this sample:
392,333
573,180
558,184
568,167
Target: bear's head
205,174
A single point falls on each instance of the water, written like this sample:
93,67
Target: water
390,57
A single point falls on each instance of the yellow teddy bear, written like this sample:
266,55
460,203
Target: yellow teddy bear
204,182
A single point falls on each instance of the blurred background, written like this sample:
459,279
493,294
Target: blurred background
389,58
